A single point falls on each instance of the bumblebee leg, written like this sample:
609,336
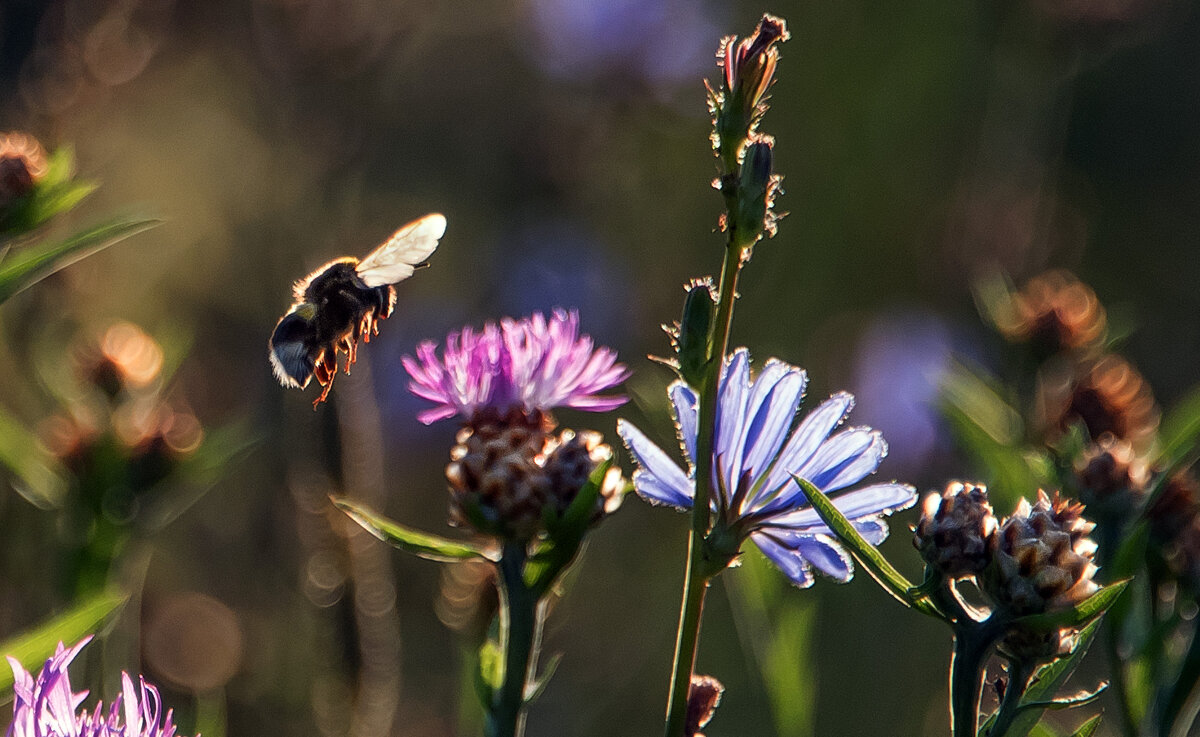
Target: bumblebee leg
350,346
325,371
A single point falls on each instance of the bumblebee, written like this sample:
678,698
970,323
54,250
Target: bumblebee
343,302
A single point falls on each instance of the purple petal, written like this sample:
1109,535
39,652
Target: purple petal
827,557
775,399
807,438
844,459
874,531
731,415
868,501
793,565
658,478
686,405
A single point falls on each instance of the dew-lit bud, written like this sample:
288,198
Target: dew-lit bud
704,696
1110,475
1056,312
956,528
1042,558
1107,396
748,68
757,187
22,164
690,337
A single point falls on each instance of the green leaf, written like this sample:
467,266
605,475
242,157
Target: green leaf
1048,680
1075,616
34,263
1068,702
54,194
32,648
1088,728
535,689
37,475
422,544
1180,427
565,534
490,675
880,569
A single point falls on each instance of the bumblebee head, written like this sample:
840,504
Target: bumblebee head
290,352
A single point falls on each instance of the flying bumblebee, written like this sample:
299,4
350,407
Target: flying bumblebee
344,301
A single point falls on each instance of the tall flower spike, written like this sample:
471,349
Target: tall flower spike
756,454
46,706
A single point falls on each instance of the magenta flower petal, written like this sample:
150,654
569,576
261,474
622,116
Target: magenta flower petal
532,364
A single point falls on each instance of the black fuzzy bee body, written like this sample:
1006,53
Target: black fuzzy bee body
343,302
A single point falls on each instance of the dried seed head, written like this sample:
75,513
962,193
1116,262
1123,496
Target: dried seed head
955,529
22,164
1056,312
506,470
1107,396
1175,508
1042,558
1110,474
704,696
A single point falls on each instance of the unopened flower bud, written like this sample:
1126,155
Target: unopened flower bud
704,696
1111,475
756,194
22,164
1042,558
956,528
690,338
1108,396
748,68
1055,312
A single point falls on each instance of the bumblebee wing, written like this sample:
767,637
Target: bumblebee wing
395,259
292,359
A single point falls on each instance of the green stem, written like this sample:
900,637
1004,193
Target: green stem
520,630
1018,676
698,571
972,644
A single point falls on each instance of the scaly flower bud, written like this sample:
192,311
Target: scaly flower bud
956,529
1056,312
689,337
1042,558
748,68
1108,396
1111,475
22,164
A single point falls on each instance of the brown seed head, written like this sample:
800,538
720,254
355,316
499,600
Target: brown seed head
1042,558
505,471
704,696
955,529
1056,312
1106,396
22,164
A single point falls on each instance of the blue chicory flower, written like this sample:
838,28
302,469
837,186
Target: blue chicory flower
47,707
756,453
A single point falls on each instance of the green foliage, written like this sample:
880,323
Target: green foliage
1078,615
31,264
421,544
32,648
1180,428
37,475
1088,728
55,194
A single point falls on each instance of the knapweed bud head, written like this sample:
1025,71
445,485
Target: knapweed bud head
22,165
1107,395
124,358
1111,476
1042,558
748,69
704,696
956,529
1055,312
690,338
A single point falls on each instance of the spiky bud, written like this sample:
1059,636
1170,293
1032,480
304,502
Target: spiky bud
1042,558
955,530
1107,396
704,696
507,471
1055,312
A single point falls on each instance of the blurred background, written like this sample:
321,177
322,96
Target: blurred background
924,145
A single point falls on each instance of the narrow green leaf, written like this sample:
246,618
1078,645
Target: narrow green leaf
422,544
34,263
37,475
1088,728
1068,702
880,569
535,689
1181,427
490,675
1078,615
1048,680
33,647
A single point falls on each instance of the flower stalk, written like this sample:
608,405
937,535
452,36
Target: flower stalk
520,622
